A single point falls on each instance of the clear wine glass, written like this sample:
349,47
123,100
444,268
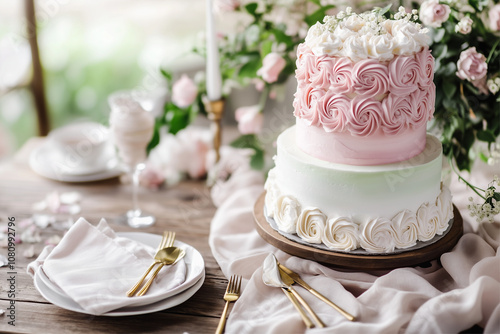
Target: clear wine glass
132,128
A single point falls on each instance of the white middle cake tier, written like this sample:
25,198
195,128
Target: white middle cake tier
360,193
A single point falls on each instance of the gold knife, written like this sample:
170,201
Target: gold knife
288,281
296,278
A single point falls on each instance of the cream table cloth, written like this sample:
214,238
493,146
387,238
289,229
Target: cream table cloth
452,295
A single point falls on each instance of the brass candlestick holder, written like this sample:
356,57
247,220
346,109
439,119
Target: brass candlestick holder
215,111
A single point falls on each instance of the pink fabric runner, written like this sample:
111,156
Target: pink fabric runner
450,296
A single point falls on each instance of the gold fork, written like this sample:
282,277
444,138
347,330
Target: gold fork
167,240
231,295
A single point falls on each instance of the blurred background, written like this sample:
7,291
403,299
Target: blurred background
89,49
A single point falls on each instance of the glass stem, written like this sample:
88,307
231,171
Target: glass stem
135,189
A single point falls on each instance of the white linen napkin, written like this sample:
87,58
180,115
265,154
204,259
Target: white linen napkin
448,297
96,268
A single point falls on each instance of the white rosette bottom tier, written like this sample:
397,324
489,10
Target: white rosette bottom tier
379,209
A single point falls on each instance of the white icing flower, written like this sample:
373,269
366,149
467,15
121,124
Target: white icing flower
405,37
445,209
341,234
286,212
272,192
377,236
381,47
355,48
406,229
327,44
427,219
310,225
343,33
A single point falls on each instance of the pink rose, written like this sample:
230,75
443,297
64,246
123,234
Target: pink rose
249,119
370,77
397,113
272,65
305,104
341,78
494,18
433,14
152,177
365,116
332,112
184,92
306,66
404,75
323,71
222,6
426,65
423,102
472,67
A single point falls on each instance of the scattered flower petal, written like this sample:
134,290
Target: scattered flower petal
53,240
70,197
29,252
3,261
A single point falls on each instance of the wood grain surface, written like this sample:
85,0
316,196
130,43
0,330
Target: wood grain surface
186,209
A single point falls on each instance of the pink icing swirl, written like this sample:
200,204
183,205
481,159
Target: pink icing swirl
332,111
306,67
397,113
423,103
371,78
426,65
404,75
322,72
365,116
341,78
305,104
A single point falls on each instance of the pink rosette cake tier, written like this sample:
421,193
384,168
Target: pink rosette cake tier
368,112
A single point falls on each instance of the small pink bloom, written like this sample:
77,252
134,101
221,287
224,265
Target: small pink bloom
184,92
259,84
272,65
222,6
151,177
494,18
472,67
249,119
433,14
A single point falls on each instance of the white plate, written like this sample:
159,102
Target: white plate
47,162
69,304
195,271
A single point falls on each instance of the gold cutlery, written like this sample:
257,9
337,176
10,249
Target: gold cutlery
271,276
296,278
168,256
167,240
231,295
288,281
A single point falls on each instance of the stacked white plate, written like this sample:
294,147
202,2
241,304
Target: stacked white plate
195,276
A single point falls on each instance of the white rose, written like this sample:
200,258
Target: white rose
272,192
405,41
343,33
377,236
427,219
310,225
464,26
355,48
406,229
286,212
354,23
381,47
445,209
327,44
341,234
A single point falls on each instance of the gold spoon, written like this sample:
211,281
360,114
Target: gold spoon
167,256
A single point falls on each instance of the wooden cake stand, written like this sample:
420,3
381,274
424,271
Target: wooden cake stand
359,262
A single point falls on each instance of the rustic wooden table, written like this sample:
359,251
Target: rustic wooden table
186,209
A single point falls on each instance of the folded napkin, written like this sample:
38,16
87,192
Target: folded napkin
96,268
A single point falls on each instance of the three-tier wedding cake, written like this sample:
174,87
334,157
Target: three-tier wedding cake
358,170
